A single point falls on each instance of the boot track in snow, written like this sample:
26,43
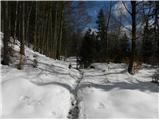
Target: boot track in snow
74,111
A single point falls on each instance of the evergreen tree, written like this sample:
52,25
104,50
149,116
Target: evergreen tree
88,51
102,33
124,46
148,44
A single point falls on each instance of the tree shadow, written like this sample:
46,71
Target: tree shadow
27,59
138,85
105,74
125,66
68,87
50,65
47,66
149,67
53,71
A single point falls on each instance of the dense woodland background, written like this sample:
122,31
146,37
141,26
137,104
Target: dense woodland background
58,28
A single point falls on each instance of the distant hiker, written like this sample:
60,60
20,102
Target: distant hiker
35,61
70,66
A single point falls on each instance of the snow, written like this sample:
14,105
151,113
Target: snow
35,93
93,31
1,37
26,99
72,60
117,103
42,92
107,91
116,94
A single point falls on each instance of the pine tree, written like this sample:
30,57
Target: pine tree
88,51
102,33
149,46
22,39
124,46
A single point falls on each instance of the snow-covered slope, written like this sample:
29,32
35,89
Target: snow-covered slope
42,92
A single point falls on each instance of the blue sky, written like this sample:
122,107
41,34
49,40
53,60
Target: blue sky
93,8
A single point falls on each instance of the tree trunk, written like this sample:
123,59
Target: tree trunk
5,60
27,25
23,30
35,28
55,30
132,53
61,28
22,49
107,26
15,24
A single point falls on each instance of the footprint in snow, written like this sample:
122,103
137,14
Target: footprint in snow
101,106
53,113
84,116
26,100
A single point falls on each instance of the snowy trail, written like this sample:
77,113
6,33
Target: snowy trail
74,111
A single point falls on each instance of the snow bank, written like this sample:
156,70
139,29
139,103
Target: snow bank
118,103
23,99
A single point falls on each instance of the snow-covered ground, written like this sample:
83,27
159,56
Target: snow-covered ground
42,92
47,91
117,94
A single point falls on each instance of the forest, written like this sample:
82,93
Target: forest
79,39
55,29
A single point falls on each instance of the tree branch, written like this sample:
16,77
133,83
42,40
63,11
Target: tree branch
122,25
139,2
126,8
110,8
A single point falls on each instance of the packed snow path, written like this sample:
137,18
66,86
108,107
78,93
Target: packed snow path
74,111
